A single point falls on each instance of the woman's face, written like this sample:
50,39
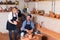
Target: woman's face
14,10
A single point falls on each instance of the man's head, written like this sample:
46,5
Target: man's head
28,17
15,10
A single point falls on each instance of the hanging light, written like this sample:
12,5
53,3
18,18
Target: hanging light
53,5
16,2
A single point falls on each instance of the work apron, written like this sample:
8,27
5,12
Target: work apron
28,27
11,26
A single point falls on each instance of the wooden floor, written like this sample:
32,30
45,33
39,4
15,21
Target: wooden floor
48,33
5,36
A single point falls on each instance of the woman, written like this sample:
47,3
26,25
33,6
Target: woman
12,23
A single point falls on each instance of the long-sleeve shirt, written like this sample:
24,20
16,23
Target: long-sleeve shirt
24,24
10,16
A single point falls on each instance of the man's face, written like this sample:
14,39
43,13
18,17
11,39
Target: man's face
28,18
14,10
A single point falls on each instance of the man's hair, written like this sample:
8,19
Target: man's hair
29,15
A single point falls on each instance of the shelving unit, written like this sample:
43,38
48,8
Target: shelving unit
9,3
5,5
36,0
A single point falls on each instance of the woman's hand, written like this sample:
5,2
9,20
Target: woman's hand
15,23
17,20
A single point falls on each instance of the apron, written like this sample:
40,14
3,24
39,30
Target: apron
28,26
11,26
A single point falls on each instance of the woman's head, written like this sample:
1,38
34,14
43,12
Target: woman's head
15,10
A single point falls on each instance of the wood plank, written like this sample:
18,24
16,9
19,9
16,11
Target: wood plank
49,32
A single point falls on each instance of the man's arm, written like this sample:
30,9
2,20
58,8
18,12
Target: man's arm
32,24
23,25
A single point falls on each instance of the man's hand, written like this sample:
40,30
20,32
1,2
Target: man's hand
26,30
29,31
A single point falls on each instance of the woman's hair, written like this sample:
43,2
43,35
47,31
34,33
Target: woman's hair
15,8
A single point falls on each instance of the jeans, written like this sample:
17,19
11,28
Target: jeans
15,34
23,33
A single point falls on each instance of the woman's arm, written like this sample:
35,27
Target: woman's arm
10,17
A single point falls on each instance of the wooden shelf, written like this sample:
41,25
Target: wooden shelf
36,0
9,3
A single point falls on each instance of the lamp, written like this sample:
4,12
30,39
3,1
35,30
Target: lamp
16,2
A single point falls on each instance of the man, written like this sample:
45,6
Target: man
27,25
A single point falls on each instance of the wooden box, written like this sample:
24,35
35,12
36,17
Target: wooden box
58,16
37,0
34,11
47,15
41,12
37,37
26,0
52,14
